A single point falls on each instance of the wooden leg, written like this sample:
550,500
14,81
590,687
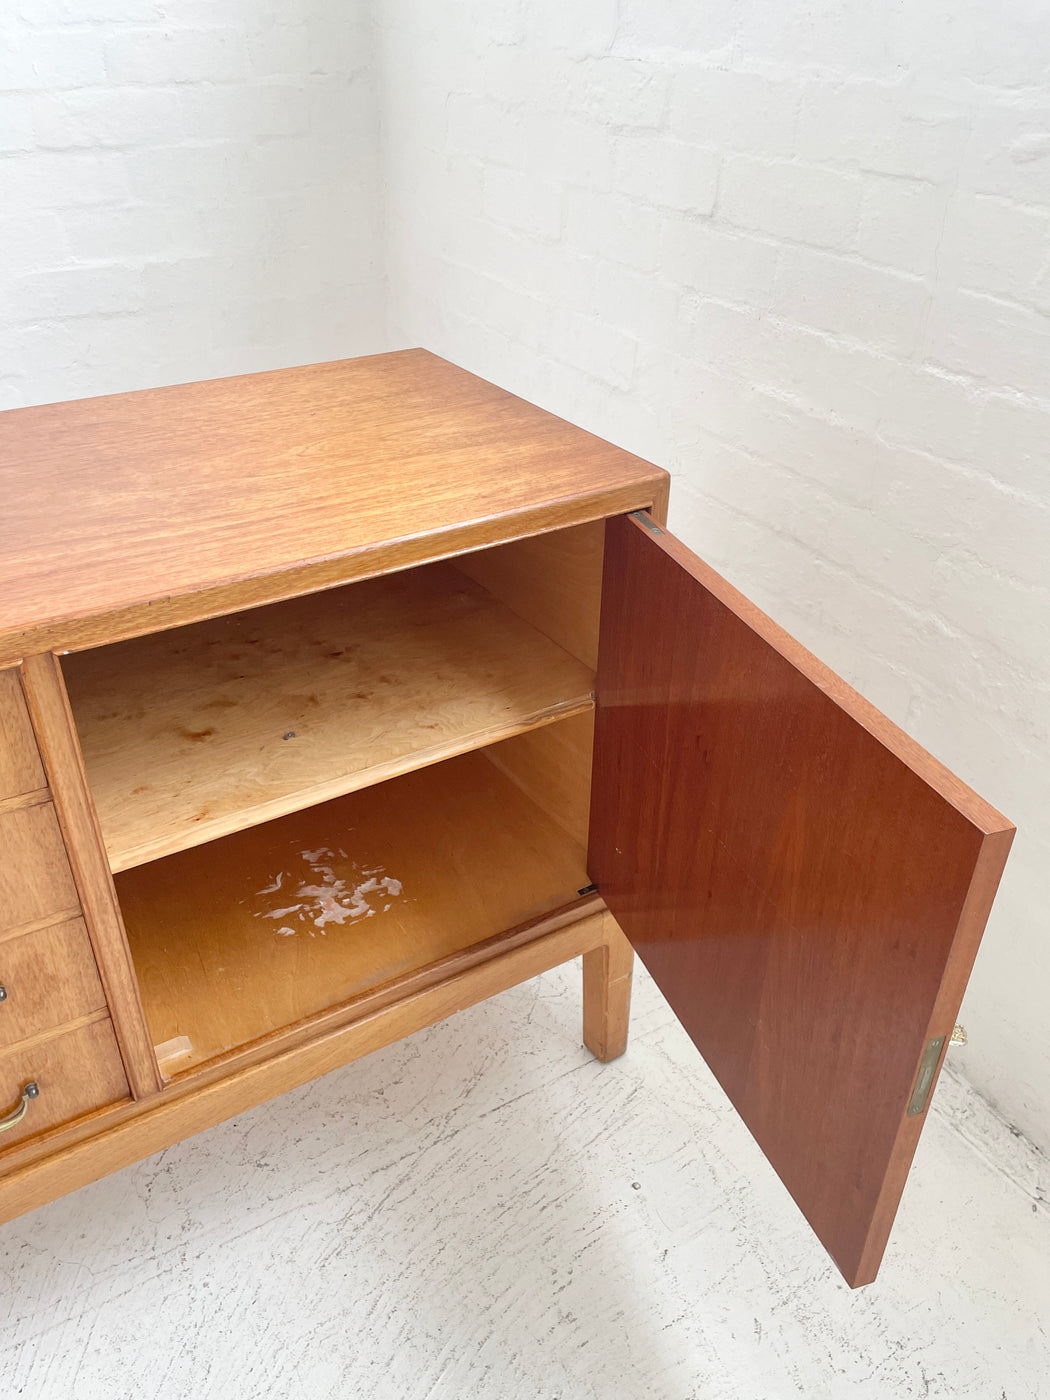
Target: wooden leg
607,994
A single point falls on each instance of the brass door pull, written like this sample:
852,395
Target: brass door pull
29,1091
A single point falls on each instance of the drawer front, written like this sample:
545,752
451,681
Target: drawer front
20,767
36,884
46,979
75,1072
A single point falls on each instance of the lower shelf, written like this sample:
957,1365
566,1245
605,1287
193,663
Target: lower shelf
259,930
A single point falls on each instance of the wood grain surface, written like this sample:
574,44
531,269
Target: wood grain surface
50,977
36,884
196,732
20,768
76,1071
263,928
134,511
85,855
608,972
552,766
128,1132
553,581
807,886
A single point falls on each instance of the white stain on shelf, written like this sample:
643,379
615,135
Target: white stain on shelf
329,898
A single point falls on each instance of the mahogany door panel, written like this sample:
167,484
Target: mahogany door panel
805,883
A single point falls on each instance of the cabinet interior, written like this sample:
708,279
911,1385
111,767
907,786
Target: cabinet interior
306,801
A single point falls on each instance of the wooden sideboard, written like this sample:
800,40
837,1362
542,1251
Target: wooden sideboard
335,699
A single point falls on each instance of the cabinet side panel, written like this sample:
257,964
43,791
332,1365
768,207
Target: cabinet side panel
553,581
56,736
552,765
805,884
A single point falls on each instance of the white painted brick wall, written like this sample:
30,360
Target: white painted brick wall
187,189
799,255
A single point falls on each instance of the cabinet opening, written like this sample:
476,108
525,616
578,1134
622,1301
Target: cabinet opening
201,731
263,929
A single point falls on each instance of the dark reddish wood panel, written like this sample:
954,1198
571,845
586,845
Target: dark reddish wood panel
806,885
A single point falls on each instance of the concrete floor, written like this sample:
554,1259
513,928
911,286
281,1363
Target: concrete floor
485,1211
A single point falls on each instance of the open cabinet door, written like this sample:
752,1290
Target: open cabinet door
806,885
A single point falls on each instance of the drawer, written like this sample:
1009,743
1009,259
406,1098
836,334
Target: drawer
36,884
75,1071
47,978
20,768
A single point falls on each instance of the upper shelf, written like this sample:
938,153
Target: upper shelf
203,730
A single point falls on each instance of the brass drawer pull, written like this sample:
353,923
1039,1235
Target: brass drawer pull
30,1091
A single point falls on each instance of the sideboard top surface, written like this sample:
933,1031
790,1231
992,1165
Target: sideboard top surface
141,510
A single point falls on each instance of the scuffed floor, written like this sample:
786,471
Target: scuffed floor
485,1211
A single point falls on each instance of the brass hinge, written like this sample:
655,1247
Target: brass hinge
931,1058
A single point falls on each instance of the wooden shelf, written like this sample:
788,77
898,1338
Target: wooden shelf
200,731
254,932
